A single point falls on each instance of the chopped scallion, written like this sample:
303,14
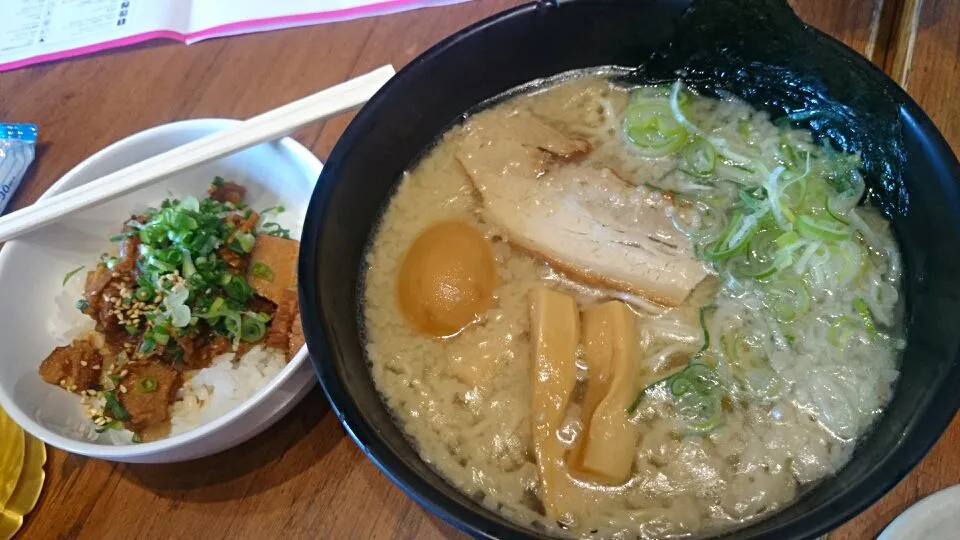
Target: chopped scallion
147,385
261,270
71,273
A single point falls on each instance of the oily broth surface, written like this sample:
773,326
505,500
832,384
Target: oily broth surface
465,401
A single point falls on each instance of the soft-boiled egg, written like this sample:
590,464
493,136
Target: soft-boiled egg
447,278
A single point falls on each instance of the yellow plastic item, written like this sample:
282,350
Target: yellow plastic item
26,487
555,334
609,440
11,457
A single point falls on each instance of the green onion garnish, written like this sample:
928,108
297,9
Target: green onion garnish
115,408
252,328
70,274
821,229
864,311
147,385
261,270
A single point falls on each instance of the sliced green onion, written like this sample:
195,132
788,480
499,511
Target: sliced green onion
261,270
773,196
835,214
734,238
252,329
184,223
840,332
190,203
147,385
787,239
274,229
651,126
188,269
108,426
788,155
753,199
743,127
787,299
696,399
71,273
696,377
180,316
709,226
161,335
754,271
216,307
864,311
232,322
700,158
245,241
851,259
114,407
238,289
821,229
703,325
702,413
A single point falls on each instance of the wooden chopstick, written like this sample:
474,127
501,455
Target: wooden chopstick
261,128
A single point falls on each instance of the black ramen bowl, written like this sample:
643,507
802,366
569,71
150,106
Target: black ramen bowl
540,40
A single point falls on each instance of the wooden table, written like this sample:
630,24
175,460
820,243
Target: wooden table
304,478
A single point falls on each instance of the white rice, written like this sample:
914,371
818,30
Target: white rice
206,395
214,391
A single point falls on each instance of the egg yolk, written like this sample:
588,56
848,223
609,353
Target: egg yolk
446,279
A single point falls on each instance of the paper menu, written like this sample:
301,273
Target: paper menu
34,31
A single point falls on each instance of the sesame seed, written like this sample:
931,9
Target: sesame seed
124,373
83,363
123,389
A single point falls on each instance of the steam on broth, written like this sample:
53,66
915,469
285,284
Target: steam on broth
690,318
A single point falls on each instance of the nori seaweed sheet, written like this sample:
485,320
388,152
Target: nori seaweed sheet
762,52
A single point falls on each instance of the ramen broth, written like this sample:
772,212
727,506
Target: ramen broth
681,314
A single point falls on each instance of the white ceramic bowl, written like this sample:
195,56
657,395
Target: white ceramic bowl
39,313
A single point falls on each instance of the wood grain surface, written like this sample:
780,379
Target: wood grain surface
304,478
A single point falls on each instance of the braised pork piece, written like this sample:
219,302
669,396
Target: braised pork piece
191,280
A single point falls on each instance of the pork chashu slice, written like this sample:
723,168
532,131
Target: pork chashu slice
580,217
